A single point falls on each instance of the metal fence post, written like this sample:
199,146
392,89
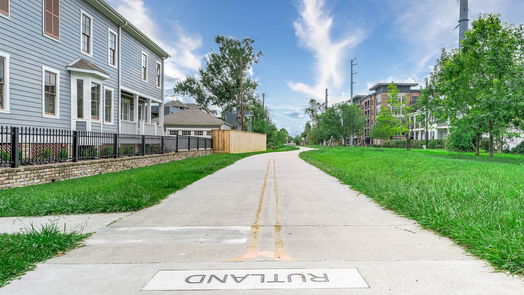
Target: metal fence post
205,143
75,146
189,143
143,145
198,143
176,144
115,145
14,147
162,145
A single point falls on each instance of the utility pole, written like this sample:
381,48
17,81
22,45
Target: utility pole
326,106
353,73
426,119
463,20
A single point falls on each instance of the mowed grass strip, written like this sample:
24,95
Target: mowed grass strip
476,201
21,252
122,191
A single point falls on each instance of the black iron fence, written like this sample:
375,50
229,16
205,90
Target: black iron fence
34,146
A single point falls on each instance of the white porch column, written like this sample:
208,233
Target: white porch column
135,112
135,108
161,114
148,112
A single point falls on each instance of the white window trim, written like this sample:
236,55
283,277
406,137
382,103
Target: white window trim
8,15
147,66
100,101
126,110
82,13
6,108
43,21
57,99
158,79
109,32
112,122
168,131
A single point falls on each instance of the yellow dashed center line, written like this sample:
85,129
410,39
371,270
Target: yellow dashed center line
252,250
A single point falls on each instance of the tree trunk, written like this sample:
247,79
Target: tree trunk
490,140
426,135
408,141
476,144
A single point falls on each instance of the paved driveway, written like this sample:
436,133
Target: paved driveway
269,224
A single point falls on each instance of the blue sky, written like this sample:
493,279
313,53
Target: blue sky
307,44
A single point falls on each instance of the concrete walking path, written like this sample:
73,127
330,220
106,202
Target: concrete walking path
82,223
268,224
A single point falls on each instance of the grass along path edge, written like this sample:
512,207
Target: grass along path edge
122,191
20,252
477,203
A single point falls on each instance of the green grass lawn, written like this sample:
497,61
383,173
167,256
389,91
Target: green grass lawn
122,191
476,201
20,252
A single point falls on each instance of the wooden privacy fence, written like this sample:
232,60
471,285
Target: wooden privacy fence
234,141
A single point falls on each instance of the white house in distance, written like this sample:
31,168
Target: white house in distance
193,122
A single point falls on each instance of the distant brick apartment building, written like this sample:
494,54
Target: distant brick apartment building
371,104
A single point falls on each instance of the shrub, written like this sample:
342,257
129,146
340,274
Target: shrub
107,151
436,144
63,154
152,149
519,149
126,150
394,143
461,140
88,152
5,156
46,153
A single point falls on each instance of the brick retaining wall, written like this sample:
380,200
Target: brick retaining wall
29,175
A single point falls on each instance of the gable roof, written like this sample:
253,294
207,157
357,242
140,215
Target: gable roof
176,103
84,66
194,106
192,117
112,14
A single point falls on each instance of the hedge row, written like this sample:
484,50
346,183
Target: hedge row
416,144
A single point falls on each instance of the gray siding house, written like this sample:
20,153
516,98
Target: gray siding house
77,64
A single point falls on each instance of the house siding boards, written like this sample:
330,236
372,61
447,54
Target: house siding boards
132,67
22,37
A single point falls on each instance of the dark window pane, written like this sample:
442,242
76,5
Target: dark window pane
80,99
2,69
4,7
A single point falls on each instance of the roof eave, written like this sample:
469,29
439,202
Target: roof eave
111,13
98,74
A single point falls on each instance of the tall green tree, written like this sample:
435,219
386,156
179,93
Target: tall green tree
482,85
352,120
225,80
387,123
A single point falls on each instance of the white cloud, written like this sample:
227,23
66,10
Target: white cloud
314,31
430,25
181,45
290,117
